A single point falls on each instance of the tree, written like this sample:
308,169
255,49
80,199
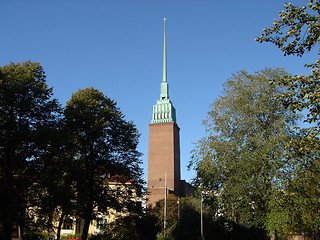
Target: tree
304,199
242,162
104,150
130,227
214,226
171,216
295,33
188,226
28,119
56,188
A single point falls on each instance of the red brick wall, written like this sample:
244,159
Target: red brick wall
163,156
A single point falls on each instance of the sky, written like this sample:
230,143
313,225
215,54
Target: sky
116,46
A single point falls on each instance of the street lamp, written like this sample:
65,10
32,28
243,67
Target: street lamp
166,189
165,204
201,213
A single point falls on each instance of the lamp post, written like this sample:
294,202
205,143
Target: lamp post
201,213
165,204
165,187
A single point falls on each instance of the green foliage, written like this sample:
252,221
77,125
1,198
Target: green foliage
33,235
242,162
296,208
131,227
304,198
214,227
70,236
52,167
171,215
103,150
123,229
28,120
296,32
160,236
188,226
53,198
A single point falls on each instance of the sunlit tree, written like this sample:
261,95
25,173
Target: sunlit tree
242,161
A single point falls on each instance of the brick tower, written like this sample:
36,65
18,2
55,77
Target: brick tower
164,143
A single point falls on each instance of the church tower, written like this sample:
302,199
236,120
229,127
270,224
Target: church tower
164,143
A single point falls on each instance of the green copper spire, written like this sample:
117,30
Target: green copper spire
164,92
164,73
164,111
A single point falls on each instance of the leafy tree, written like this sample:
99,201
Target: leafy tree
56,189
51,198
171,215
123,228
131,227
296,208
103,150
295,33
304,199
188,226
28,119
242,162
214,227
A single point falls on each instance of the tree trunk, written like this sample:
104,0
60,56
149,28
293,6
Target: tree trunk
7,229
87,219
89,206
7,222
275,235
60,226
21,221
86,225
8,213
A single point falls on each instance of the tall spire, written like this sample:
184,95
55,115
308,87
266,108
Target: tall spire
164,73
164,111
164,91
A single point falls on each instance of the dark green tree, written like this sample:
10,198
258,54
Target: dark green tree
130,227
188,226
104,150
56,189
242,162
28,119
303,199
171,215
214,226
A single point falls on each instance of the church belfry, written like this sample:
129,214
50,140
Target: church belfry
164,142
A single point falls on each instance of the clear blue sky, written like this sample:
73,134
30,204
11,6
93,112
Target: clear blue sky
116,46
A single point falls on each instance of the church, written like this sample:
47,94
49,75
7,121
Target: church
164,144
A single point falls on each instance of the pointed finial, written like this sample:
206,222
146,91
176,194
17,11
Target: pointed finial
164,74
